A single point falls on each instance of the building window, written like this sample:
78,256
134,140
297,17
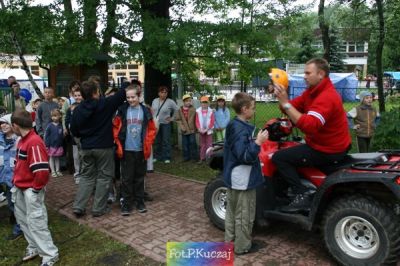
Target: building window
131,66
351,47
133,75
121,74
35,70
120,66
360,47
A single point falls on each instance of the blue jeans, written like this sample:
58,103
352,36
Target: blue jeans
189,147
162,151
16,228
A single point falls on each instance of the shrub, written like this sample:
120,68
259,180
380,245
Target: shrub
387,134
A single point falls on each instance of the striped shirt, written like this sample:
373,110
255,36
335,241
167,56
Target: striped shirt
32,166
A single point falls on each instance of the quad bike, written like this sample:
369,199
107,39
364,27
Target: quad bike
356,203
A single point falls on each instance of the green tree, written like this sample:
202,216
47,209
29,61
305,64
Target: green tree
306,51
336,51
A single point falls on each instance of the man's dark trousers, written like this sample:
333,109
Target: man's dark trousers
287,160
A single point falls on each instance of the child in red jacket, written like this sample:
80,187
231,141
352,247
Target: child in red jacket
134,132
31,175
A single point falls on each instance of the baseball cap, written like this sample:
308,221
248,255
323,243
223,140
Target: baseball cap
204,99
186,96
6,119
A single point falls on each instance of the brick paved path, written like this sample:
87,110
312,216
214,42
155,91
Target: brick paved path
177,214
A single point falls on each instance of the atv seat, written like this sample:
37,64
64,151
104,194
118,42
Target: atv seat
370,156
351,159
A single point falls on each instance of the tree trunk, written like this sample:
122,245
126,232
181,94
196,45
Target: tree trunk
111,7
25,67
90,22
379,51
324,27
153,76
71,27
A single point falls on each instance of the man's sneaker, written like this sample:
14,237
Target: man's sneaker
301,202
255,247
126,210
13,237
78,213
50,262
111,198
99,214
2,197
141,207
54,174
59,174
30,254
155,160
167,161
77,179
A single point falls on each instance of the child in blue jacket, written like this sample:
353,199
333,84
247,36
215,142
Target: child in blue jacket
242,174
8,149
222,118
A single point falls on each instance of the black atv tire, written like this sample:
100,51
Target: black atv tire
215,202
359,230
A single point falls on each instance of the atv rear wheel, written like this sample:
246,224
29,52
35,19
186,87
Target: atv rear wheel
215,202
362,231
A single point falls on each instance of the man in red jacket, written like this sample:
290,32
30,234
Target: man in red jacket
318,113
31,175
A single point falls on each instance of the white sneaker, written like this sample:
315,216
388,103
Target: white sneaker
50,262
30,254
54,174
111,198
167,161
59,173
77,180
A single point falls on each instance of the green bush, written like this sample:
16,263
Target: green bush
387,135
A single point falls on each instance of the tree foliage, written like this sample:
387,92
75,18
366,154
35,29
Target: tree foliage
165,35
388,131
336,51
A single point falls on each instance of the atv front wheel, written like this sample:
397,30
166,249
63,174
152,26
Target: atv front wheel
215,202
362,231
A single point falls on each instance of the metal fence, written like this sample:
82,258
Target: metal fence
267,106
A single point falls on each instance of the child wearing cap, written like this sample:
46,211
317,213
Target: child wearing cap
365,118
186,119
222,118
204,124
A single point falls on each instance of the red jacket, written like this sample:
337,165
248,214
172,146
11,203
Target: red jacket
324,119
32,166
119,130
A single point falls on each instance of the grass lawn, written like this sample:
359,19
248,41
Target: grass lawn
187,170
77,244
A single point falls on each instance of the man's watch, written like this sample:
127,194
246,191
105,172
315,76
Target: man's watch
287,106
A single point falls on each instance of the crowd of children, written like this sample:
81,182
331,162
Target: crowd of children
205,121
